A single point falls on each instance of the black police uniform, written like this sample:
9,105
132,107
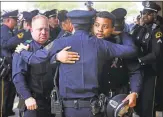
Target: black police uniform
34,81
159,85
7,92
119,73
149,40
120,76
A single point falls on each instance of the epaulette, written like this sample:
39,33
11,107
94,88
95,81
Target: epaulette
28,41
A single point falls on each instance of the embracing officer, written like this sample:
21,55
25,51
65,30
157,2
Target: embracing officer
117,72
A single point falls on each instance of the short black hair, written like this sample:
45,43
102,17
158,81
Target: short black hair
108,15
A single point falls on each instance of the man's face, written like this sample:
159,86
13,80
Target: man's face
13,22
40,30
148,16
54,21
102,27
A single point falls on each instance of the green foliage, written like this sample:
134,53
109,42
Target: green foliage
131,7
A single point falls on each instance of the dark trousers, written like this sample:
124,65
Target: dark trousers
159,93
7,96
146,100
43,110
80,112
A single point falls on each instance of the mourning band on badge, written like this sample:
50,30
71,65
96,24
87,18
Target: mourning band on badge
147,35
158,35
20,35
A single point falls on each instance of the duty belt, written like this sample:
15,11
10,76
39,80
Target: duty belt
76,104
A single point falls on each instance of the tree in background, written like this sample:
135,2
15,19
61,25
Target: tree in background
109,6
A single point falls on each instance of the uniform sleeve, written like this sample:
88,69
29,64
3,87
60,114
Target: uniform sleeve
44,54
127,50
14,41
5,36
19,71
135,74
156,42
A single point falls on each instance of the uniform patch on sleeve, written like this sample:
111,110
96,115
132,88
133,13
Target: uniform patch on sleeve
20,35
158,35
28,41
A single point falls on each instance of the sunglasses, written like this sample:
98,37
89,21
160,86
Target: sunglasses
147,13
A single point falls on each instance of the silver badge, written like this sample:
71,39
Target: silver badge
147,4
147,35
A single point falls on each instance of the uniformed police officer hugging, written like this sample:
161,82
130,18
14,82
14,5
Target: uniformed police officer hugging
78,84
35,82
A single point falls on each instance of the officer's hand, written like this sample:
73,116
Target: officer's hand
132,99
21,47
31,103
65,56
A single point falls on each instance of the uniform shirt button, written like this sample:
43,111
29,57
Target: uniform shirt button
109,82
121,66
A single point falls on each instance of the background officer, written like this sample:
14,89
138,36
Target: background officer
23,34
120,19
89,5
7,88
54,23
82,83
149,41
117,72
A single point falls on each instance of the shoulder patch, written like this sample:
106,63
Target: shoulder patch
20,35
28,41
158,34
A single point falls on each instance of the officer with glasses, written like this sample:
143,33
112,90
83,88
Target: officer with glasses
149,41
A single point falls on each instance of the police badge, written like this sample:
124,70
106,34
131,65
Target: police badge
147,4
147,35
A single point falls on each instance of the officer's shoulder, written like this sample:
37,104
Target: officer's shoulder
4,28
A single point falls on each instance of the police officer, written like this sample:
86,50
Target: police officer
25,33
149,40
7,88
65,23
54,23
117,72
78,84
89,5
120,19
